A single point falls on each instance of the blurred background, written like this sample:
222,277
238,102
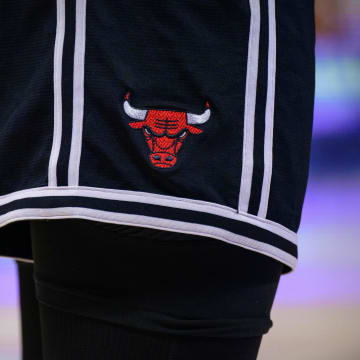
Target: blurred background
316,312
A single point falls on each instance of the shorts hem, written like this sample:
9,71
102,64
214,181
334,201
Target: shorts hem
157,211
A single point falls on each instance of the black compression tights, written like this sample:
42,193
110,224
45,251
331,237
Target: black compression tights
65,336
68,336
30,318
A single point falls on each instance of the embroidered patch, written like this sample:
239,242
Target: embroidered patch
165,131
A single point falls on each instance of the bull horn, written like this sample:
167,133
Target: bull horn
133,112
198,119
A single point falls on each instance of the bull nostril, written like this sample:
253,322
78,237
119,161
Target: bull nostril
156,157
169,158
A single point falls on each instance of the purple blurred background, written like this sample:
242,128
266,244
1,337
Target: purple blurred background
328,272
329,259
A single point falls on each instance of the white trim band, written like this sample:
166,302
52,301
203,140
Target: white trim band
269,114
17,258
78,93
57,79
151,222
250,104
155,199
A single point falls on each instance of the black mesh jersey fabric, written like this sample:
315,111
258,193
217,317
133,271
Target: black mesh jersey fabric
185,116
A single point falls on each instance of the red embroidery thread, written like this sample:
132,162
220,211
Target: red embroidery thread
165,131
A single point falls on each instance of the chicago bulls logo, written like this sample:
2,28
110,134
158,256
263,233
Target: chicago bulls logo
165,131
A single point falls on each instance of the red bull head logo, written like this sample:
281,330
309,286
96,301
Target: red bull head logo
165,131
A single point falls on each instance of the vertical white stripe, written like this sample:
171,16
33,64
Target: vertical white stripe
250,102
269,114
78,94
58,55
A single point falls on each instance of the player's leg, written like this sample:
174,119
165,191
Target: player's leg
29,310
93,280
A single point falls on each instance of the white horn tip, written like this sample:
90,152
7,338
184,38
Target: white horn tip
199,119
133,112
